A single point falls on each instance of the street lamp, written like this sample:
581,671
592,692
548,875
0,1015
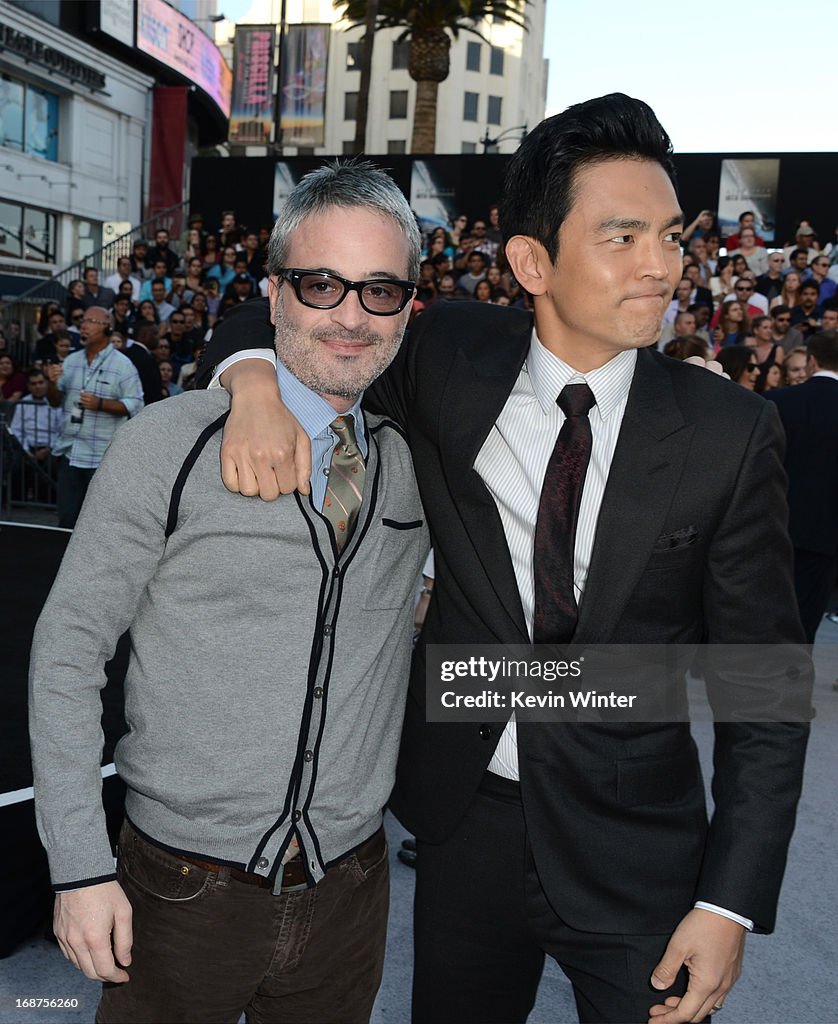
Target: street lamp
492,144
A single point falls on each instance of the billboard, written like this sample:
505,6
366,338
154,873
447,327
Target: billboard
251,113
303,85
747,184
166,35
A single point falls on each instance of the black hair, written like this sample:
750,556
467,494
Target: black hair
540,183
823,348
735,359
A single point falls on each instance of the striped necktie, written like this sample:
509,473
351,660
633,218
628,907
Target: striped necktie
345,490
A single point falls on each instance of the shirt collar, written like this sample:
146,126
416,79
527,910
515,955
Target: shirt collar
312,411
826,373
549,374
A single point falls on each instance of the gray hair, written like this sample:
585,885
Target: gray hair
351,183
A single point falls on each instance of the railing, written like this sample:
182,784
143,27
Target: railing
24,308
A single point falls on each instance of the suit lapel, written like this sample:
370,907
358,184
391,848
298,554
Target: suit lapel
644,475
481,377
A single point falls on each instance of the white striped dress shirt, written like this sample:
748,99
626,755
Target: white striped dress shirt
513,461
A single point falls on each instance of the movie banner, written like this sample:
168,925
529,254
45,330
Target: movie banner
303,65
749,185
251,113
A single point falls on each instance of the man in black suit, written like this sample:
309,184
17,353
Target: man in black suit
810,417
589,843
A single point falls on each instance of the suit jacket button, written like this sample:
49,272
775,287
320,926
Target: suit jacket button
486,732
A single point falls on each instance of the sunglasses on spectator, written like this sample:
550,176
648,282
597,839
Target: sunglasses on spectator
752,367
179,321
744,287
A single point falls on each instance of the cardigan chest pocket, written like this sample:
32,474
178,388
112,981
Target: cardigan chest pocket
394,560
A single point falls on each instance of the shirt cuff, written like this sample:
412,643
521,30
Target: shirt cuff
744,921
247,353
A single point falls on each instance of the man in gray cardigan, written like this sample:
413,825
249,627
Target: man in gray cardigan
252,872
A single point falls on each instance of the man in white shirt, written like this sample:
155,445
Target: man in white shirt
123,273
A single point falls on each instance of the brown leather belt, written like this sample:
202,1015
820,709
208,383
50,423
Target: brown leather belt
293,875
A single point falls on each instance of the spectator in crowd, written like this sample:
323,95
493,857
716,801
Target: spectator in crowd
722,284
443,264
739,362
147,311
239,290
211,252
139,350
98,388
75,297
62,346
770,284
94,293
254,256
774,378
161,251
35,423
809,414
45,347
829,319
733,326
805,316
167,372
483,291
706,266
229,234
798,262
200,310
439,242
493,231
769,352
126,290
680,302
818,271
158,273
178,293
698,294
195,275
139,252
12,381
782,331
192,326
223,272
163,308
686,347
188,371
123,316
426,283
180,345
790,292
212,292
476,272
746,289
163,350
447,286
746,220
123,273
804,242
458,229
755,255
795,366
500,298
484,244
703,224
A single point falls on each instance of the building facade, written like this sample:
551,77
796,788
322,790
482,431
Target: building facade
496,85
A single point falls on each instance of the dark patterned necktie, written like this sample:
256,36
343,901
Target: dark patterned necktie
345,490
556,610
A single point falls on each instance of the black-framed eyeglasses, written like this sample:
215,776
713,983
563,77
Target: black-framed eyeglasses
744,287
381,296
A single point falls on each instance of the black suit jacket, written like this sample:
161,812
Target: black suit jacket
809,413
615,812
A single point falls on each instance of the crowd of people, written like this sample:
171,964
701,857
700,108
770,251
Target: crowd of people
752,307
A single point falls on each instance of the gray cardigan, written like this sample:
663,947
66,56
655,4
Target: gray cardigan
266,686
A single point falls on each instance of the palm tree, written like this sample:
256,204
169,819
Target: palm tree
429,26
